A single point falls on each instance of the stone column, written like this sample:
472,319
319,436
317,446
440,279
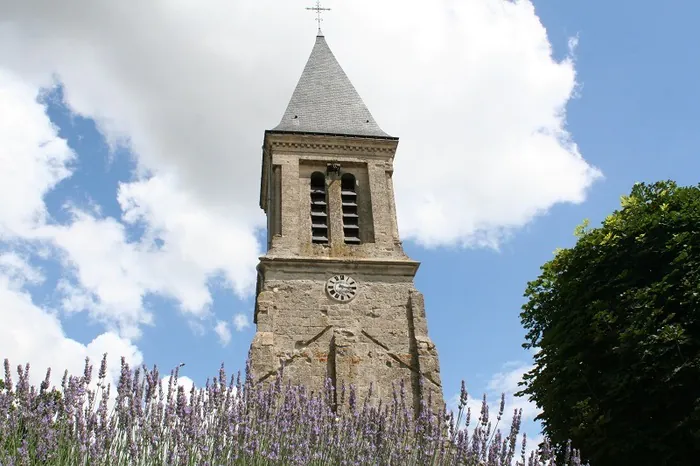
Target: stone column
335,211
289,202
381,211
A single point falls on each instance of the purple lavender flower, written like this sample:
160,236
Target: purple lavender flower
245,422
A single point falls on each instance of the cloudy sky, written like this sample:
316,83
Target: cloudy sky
130,137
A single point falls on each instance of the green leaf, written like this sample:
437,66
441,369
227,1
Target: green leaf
616,322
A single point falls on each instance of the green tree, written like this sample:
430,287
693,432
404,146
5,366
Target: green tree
616,323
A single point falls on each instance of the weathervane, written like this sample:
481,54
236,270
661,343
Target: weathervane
318,9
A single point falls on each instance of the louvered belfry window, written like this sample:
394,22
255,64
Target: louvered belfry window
319,209
351,217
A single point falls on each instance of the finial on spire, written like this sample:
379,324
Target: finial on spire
318,9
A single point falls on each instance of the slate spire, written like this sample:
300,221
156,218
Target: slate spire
326,102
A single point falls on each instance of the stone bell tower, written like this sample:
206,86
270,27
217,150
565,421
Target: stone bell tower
335,292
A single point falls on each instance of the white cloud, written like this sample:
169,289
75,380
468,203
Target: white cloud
105,274
31,334
470,87
197,245
197,327
112,275
182,381
33,159
17,270
241,322
187,384
506,383
115,293
223,331
199,241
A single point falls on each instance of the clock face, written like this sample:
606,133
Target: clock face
341,288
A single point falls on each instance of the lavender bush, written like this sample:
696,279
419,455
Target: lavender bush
232,422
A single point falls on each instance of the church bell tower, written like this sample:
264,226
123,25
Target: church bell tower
335,292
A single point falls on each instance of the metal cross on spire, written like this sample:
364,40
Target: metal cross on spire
318,9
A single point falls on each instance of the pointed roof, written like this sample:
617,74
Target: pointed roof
326,102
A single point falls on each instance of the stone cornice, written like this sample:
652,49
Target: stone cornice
330,145
301,265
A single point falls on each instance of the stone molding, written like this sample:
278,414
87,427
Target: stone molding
330,145
306,265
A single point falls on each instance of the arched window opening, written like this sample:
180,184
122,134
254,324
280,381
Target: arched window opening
351,216
319,209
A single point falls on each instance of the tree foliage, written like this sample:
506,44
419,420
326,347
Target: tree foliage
616,323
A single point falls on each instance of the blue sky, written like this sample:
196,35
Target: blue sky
181,215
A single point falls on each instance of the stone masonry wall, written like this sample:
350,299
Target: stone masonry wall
375,194
380,337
